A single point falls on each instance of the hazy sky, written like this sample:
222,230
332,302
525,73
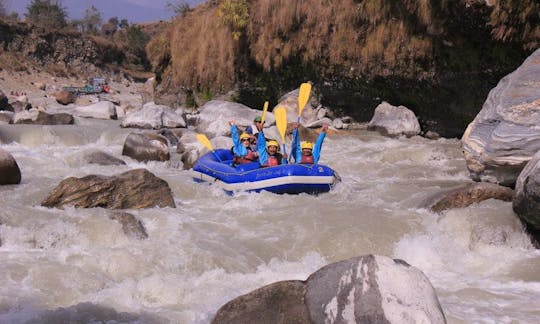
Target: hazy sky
132,10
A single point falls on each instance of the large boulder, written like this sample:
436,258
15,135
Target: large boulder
526,201
365,289
215,115
38,117
154,117
146,147
290,102
99,110
9,169
394,121
473,193
64,97
134,189
505,134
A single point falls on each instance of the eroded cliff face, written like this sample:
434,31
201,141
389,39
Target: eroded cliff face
24,47
440,58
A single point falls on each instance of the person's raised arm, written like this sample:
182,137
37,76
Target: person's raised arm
318,144
296,152
238,148
261,148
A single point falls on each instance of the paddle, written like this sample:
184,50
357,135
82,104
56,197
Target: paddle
264,113
281,123
206,142
303,97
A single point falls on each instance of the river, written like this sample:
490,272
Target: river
77,265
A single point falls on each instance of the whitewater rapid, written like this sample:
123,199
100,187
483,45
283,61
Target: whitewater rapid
78,265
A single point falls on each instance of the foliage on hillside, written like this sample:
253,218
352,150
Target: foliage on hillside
517,20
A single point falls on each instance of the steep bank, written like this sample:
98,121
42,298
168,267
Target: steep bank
439,58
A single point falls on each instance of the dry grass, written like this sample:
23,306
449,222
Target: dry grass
517,20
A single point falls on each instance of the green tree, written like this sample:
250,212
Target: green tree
235,14
123,24
178,7
91,20
47,13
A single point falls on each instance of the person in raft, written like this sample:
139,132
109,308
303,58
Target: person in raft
242,151
253,130
269,152
306,152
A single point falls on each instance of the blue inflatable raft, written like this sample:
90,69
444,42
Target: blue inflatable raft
215,167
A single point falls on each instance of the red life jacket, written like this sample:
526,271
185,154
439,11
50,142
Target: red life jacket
307,159
274,160
250,157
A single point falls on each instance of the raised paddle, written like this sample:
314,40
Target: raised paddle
264,113
281,123
206,142
303,97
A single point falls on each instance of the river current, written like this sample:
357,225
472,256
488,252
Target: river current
77,265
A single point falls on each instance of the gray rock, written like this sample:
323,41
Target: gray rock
152,116
132,227
102,158
526,201
146,147
9,169
215,115
38,117
280,302
5,117
394,121
134,189
505,134
372,289
99,110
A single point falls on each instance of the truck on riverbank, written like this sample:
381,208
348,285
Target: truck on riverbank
94,86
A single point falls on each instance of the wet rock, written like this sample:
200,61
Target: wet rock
526,201
365,289
280,302
505,135
134,189
132,227
173,136
9,169
102,158
394,121
5,117
38,117
146,147
4,102
372,289
473,193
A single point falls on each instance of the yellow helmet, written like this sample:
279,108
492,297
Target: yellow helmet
244,135
306,145
272,143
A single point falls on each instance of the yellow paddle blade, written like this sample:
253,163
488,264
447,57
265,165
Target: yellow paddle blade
264,112
281,121
303,97
205,141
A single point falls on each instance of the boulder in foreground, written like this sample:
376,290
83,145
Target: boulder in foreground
134,189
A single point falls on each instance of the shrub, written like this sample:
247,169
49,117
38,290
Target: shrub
47,14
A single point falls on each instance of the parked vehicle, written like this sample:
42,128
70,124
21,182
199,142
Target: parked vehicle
95,85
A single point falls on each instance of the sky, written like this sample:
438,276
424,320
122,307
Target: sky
132,10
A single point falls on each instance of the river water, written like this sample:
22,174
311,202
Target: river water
77,265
